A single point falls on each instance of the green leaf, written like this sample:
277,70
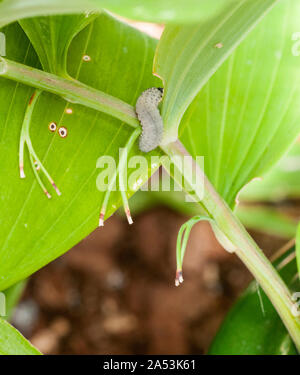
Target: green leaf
281,182
253,327
188,55
174,11
267,220
34,229
13,343
12,296
51,38
182,240
151,10
247,116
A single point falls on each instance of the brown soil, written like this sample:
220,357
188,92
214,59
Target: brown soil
114,292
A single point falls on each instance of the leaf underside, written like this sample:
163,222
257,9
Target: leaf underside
281,182
188,55
248,115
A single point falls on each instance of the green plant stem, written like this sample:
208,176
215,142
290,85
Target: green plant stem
69,89
246,248
12,296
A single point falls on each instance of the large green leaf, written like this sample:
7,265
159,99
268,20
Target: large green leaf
151,10
188,55
51,38
34,229
267,219
13,343
253,325
248,114
281,182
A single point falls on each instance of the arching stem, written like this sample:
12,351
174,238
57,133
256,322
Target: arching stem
25,140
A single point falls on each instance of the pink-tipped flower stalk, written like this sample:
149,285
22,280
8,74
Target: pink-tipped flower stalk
22,174
182,239
101,219
124,196
38,177
128,215
178,278
54,186
36,164
126,205
104,206
120,171
37,167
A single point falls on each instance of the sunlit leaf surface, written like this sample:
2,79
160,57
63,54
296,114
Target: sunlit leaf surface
188,55
248,114
34,229
51,38
13,343
282,182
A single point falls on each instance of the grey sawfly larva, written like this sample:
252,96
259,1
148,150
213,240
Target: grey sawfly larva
150,118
